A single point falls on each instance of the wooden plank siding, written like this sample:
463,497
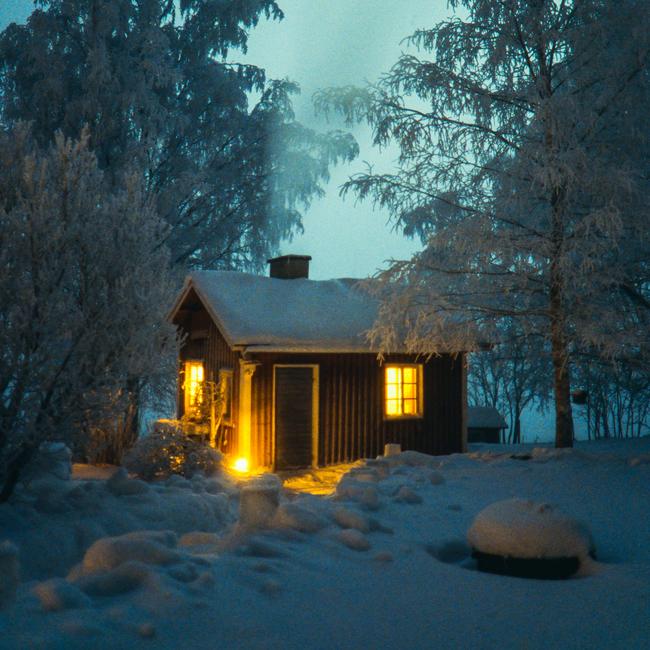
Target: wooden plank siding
351,408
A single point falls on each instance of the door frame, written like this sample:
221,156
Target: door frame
314,411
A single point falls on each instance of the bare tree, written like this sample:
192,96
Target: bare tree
616,398
512,377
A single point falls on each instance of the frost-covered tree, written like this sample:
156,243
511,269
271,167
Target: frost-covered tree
155,81
523,167
83,291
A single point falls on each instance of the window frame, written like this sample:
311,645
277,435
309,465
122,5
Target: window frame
419,414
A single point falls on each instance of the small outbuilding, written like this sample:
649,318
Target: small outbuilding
484,424
295,380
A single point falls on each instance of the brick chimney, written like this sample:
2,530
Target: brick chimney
289,267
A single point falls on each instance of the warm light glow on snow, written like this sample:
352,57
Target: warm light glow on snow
241,465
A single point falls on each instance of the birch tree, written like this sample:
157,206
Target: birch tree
523,166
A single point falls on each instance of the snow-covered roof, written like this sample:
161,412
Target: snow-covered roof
275,315
485,417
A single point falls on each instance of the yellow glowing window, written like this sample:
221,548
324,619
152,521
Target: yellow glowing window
403,391
193,386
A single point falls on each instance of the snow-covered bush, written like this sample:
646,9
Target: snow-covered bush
83,292
167,451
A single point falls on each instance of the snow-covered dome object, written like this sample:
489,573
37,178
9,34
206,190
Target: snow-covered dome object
529,539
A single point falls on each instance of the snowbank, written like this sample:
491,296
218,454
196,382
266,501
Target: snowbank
77,513
366,566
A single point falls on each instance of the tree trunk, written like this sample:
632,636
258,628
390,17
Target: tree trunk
562,388
559,343
517,435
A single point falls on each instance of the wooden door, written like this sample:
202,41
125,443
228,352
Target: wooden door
296,411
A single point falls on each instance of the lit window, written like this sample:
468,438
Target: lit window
403,391
193,386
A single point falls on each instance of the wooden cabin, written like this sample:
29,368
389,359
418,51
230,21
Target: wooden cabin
299,383
484,424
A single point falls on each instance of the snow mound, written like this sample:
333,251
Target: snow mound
527,529
295,517
353,539
406,495
349,519
370,498
148,547
121,485
121,580
57,594
259,501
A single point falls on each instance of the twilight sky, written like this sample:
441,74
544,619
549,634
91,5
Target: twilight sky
327,43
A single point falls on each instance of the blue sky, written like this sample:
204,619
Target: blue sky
327,43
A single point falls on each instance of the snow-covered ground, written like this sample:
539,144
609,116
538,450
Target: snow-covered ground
382,562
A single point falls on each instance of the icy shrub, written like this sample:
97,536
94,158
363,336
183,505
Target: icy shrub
167,451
